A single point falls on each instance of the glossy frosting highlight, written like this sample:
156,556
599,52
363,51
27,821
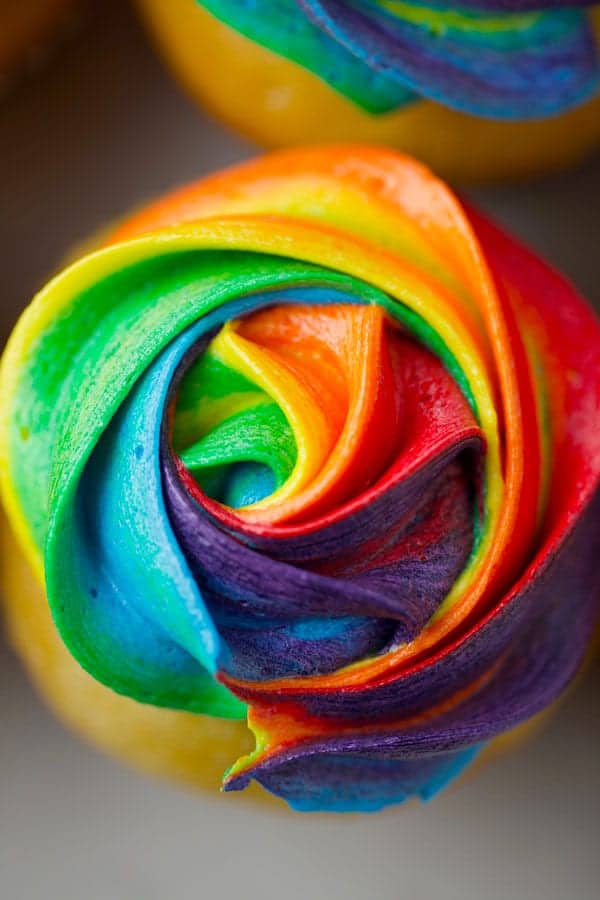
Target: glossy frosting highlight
505,60
312,443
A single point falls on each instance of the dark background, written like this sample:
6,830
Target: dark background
102,129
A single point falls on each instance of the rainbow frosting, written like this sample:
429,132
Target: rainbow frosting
310,442
504,59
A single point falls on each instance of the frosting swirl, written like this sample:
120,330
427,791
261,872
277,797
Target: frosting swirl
505,59
311,442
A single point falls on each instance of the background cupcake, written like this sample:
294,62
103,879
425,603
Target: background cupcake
27,28
490,90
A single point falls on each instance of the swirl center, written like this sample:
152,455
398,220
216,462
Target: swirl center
321,480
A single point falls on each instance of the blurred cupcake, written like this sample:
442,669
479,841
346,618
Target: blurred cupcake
494,89
309,450
27,28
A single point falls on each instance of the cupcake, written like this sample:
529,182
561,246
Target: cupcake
488,90
303,468
26,30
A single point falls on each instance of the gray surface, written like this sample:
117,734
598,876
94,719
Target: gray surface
103,131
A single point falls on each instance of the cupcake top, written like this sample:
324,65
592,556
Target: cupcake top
312,443
505,59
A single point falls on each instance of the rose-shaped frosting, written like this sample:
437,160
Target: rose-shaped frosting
506,59
312,442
